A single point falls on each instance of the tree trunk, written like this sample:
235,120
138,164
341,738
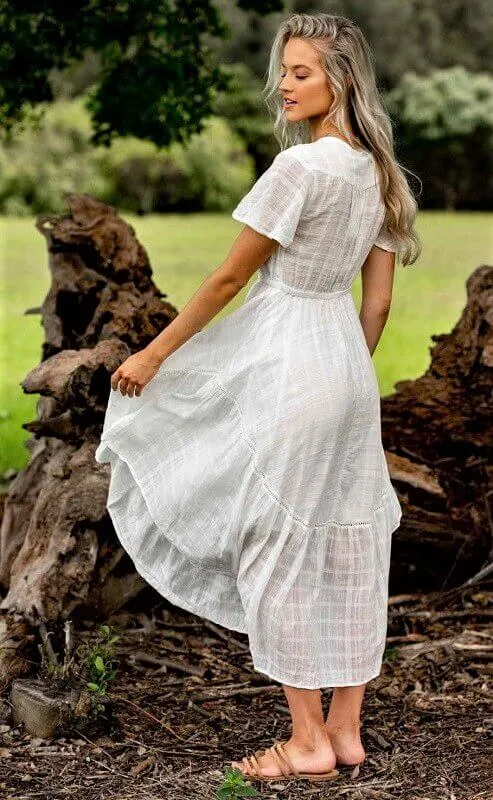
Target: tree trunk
438,434
58,551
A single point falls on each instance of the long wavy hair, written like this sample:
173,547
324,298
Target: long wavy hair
348,61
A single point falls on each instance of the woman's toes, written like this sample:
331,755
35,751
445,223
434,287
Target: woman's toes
266,763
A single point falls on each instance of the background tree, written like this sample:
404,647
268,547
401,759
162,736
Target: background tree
156,69
156,80
405,35
444,127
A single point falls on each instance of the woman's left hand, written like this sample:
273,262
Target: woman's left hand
135,372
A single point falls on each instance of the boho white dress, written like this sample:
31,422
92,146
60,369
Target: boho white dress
249,483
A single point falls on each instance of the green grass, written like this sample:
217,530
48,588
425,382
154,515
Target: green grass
183,249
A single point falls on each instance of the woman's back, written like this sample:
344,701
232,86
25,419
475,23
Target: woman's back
322,201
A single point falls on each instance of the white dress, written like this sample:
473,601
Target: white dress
248,481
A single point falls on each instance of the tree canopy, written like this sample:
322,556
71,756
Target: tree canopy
155,69
157,80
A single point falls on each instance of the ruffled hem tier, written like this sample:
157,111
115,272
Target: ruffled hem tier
210,537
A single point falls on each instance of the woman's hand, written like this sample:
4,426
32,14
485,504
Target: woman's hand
135,372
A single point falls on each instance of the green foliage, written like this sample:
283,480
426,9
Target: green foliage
404,35
48,160
234,786
157,79
243,109
54,157
444,124
156,72
445,105
143,178
210,172
94,665
98,665
217,169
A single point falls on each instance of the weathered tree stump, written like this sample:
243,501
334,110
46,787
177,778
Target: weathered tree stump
438,434
48,712
58,551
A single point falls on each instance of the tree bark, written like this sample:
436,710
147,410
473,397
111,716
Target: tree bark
438,434
58,551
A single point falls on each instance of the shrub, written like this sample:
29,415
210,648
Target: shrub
54,157
48,160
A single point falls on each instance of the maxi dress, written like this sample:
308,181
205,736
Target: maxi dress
249,483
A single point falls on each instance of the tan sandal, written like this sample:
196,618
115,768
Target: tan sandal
253,769
351,770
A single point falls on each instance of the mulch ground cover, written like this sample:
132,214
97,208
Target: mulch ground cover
186,702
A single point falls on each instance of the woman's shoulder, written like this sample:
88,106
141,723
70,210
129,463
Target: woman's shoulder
299,152
328,160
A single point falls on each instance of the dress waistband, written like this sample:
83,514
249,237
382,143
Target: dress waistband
285,287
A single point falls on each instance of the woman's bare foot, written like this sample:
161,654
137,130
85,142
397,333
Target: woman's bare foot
319,758
346,742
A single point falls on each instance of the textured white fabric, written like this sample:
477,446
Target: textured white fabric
275,202
385,240
248,481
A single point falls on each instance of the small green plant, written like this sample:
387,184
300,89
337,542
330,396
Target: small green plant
99,665
234,786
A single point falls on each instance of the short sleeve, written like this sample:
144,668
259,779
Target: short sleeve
385,240
275,203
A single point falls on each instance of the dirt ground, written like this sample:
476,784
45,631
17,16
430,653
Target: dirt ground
187,702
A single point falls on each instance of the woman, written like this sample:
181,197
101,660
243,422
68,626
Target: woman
248,481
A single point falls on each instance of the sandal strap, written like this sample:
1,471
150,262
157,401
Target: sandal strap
279,750
279,762
253,769
247,766
258,769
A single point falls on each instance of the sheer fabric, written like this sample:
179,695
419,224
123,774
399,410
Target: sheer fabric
248,481
274,204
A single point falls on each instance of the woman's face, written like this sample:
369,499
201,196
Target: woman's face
304,81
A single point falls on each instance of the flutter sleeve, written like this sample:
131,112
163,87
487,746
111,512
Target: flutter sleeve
385,240
275,203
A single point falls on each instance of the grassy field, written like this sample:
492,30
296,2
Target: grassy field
428,296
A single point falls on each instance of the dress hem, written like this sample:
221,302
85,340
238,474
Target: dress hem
168,593
209,614
236,621
258,666
317,684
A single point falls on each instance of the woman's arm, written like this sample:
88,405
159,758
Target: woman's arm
377,276
249,252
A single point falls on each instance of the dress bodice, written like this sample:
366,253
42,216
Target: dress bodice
322,202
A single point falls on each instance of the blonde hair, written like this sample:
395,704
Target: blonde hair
347,60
